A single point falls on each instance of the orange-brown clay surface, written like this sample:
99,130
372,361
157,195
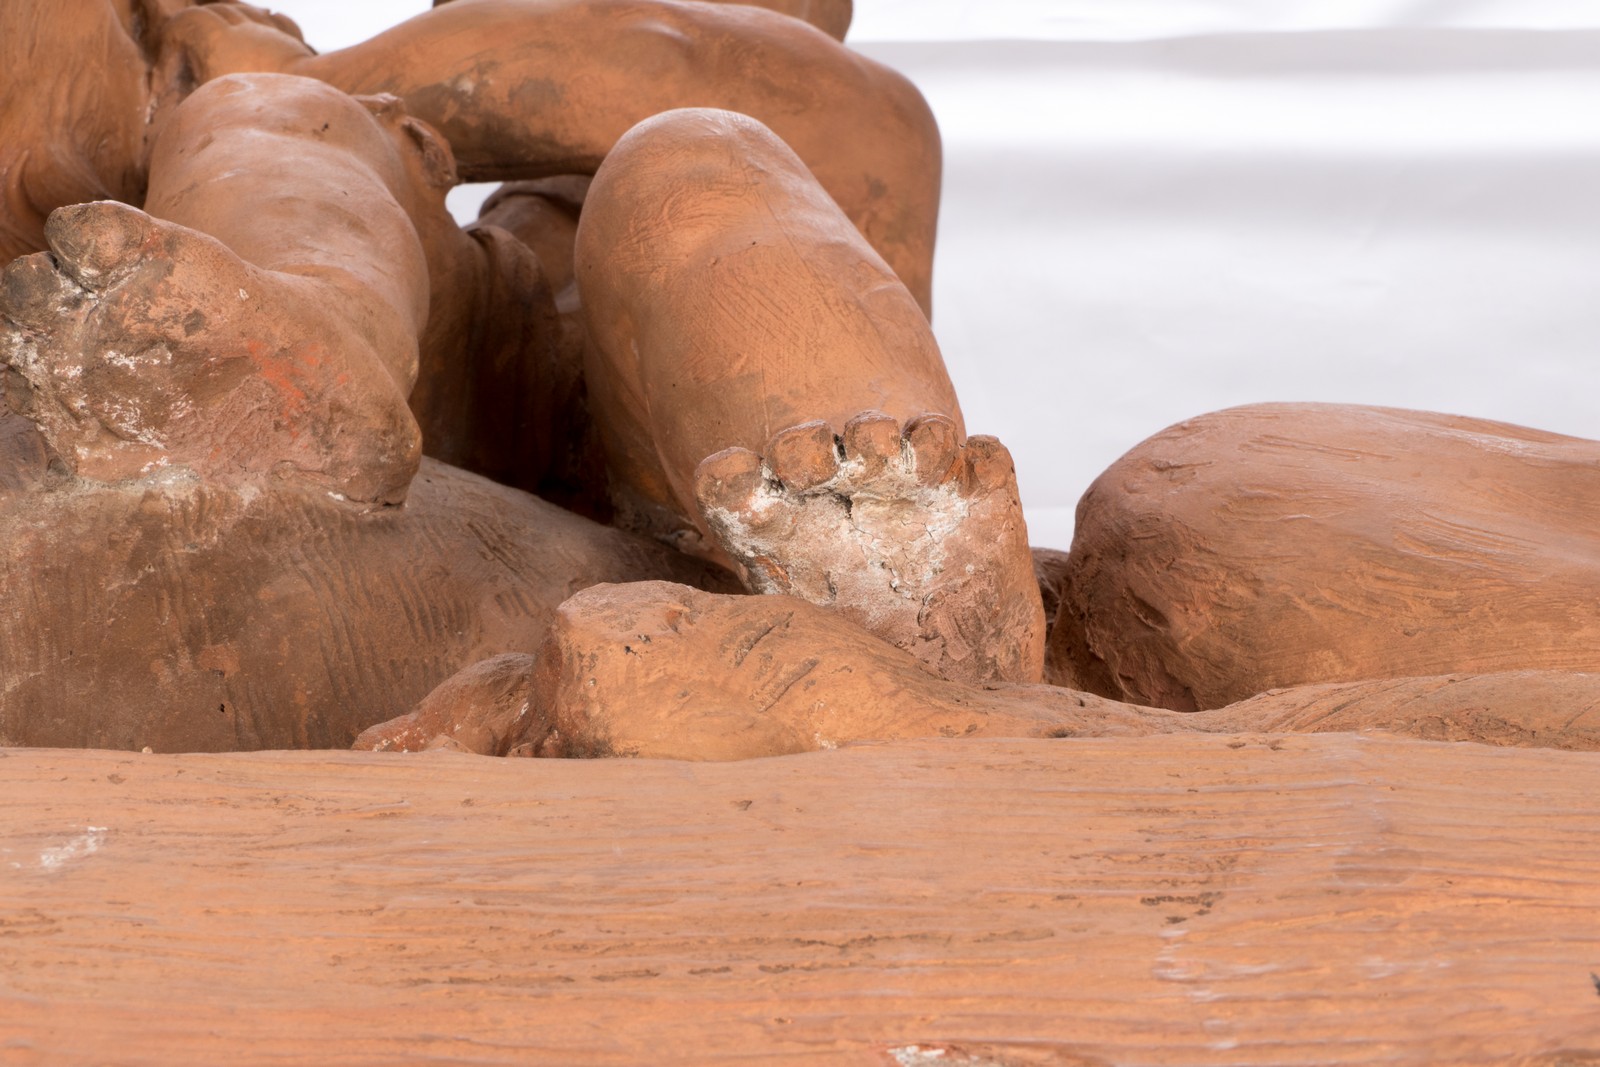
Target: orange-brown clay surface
1287,544
664,671
1247,899
1060,878
190,618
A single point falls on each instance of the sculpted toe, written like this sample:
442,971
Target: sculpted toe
805,456
92,241
932,444
871,444
989,465
727,480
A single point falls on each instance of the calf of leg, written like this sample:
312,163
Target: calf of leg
832,17
73,113
727,297
732,307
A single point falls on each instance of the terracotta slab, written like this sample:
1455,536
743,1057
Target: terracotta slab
1246,899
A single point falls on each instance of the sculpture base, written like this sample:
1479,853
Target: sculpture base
1241,898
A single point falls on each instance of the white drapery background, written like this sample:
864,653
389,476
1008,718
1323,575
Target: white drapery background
1156,208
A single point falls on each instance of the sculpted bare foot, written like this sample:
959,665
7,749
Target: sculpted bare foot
912,534
148,345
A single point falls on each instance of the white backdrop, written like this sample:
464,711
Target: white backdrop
1155,208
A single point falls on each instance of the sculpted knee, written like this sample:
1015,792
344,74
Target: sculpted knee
691,168
701,140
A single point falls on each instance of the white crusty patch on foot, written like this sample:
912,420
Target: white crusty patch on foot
910,533
910,553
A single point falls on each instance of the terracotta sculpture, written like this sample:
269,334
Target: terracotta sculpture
706,329
1291,544
252,334
218,530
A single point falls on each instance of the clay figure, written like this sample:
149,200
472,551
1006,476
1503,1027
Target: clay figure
247,341
1294,544
254,375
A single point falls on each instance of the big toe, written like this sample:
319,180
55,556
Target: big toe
728,480
33,292
92,241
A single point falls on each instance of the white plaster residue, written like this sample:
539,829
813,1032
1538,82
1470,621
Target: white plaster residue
85,844
875,524
1170,968
173,479
851,470
933,1056
128,423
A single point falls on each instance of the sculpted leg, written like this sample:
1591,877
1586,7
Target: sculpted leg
527,89
658,670
261,317
561,459
732,308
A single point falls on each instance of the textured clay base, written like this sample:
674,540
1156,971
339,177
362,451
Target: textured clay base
1233,900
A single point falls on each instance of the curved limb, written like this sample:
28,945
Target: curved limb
68,139
731,307
525,89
